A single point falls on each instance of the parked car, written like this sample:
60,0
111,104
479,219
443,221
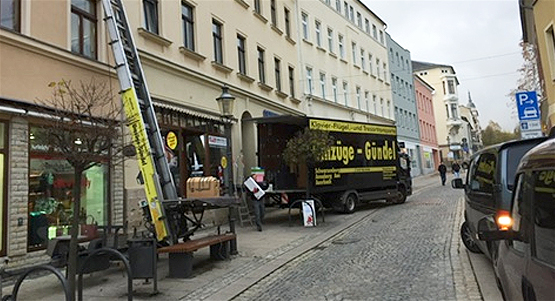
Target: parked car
525,265
488,188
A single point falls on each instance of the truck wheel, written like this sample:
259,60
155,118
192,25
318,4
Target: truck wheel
467,239
350,203
401,196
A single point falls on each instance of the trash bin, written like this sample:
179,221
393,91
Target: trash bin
142,259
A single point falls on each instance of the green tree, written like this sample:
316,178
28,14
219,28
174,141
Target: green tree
493,134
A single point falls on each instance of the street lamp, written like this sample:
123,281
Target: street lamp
226,102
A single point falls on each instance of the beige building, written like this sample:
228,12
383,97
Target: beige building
538,19
343,56
450,128
260,50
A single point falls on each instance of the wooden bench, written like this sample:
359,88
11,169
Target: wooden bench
181,254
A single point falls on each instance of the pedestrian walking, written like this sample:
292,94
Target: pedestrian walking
456,169
257,200
442,172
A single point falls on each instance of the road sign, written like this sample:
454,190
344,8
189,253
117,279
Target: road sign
531,134
527,105
530,125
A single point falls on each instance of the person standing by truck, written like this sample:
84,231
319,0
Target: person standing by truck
442,172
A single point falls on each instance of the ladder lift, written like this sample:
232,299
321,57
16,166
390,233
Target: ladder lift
141,119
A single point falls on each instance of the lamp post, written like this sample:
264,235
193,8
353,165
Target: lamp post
448,146
226,102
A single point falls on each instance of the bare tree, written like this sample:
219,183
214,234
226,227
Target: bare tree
529,75
83,125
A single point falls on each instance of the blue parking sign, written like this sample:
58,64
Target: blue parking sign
527,105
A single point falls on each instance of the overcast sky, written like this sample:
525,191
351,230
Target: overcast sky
480,39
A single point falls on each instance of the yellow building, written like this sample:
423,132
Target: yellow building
538,19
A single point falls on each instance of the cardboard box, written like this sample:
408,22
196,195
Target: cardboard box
203,187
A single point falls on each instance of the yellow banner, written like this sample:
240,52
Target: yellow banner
351,127
146,165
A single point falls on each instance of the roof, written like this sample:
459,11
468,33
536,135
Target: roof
418,66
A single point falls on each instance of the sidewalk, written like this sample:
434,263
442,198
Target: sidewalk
260,253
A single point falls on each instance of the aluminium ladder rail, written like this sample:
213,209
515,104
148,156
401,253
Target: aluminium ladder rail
141,119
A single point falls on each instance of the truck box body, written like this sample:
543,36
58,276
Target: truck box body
363,157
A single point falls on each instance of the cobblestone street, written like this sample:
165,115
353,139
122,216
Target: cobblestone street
396,253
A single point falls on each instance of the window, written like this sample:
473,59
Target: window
305,25
277,73
359,105
83,27
9,14
482,174
451,86
359,20
550,45
378,68
388,109
261,67
354,50
273,12
454,114
217,40
346,9
51,179
346,93
338,5
374,32
334,88
241,55
374,104
188,26
151,14
258,6
381,107
381,37
351,14
309,80
291,82
521,208
384,71
330,40
363,59
367,100
287,22
370,63
323,85
318,26
341,47
367,26
544,215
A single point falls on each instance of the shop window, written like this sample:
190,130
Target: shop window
50,203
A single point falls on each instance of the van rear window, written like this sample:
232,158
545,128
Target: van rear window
514,154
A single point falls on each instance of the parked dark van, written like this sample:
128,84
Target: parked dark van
525,265
488,188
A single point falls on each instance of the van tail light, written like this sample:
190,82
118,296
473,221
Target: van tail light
504,220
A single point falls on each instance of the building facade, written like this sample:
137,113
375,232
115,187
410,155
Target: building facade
426,120
469,114
538,19
450,128
342,52
405,106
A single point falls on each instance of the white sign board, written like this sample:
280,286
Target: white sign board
309,213
530,125
531,134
